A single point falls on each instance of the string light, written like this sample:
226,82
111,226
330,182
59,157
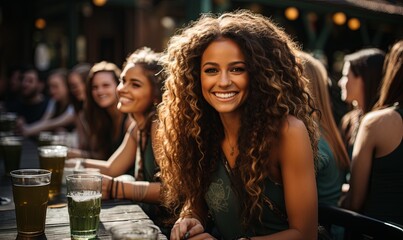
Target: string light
291,13
354,24
339,18
40,23
99,3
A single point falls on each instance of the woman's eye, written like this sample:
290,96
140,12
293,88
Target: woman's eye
238,69
210,70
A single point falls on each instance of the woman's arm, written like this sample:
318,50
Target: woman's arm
298,176
50,123
121,160
139,191
361,165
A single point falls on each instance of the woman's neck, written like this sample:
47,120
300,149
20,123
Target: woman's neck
231,124
140,119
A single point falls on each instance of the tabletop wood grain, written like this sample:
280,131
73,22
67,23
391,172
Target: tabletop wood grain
57,221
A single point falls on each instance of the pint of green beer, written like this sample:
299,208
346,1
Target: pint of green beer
84,204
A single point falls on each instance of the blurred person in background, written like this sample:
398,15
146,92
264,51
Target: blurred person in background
59,114
32,104
76,80
333,161
376,184
106,124
362,74
12,92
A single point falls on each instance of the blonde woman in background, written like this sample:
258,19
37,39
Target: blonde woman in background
107,125
333,161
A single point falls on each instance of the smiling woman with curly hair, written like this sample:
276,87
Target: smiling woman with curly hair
238,140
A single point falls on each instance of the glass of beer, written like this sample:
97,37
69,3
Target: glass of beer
45,138
134,231
11,147
84,193
30,191
52,158
8,122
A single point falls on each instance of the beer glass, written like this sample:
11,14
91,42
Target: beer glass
7,122
52,158
30,191
45,139
84,193
134,231
11,147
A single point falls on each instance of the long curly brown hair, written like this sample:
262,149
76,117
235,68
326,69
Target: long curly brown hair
191,129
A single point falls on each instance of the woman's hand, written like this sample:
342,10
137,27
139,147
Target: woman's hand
72,162
106,187
188,228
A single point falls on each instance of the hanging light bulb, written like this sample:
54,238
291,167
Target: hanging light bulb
99,3
339,18
354,24
40,23
291,13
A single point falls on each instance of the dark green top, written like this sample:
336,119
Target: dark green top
329,177
224,208
149,165
156,212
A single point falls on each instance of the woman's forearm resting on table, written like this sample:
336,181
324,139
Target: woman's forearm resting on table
139,191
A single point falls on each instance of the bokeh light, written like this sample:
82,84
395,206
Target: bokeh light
354,24
339,18
291,13
40,23
99,3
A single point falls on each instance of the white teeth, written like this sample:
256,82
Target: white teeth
224,95
124,99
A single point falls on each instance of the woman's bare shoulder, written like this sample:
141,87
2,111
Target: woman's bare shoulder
381,118
293,125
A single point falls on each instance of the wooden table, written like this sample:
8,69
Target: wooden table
57,219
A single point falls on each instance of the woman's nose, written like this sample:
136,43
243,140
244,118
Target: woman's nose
120,87
342,81
225,80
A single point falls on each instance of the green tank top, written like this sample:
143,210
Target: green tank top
224,207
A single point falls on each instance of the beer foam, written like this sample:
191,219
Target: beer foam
31,184
11,141
53,151
84,196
